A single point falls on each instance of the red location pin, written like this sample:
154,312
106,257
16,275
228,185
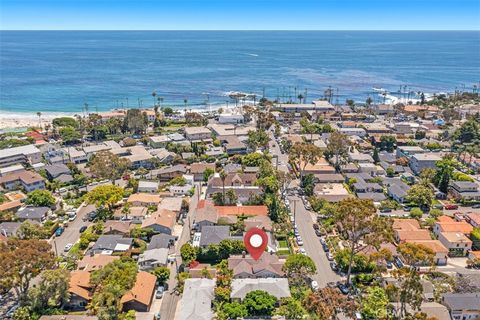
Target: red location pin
255,241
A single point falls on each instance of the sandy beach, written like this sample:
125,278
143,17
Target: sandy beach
26,120
11,120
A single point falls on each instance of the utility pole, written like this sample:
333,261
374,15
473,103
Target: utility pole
294,210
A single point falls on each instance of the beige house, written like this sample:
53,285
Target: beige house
457,243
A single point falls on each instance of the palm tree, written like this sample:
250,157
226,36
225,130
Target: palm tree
300,97
160,100
154,94
47,128
54,185
39,115
126,210
223,176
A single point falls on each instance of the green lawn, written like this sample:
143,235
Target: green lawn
283,243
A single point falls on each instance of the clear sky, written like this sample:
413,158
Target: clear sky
239,15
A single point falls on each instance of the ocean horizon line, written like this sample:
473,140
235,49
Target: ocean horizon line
242,30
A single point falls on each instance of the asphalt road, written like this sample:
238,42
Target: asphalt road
312,245
277,154
71,233
170,298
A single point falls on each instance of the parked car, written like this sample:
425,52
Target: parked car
451,207
389,265
407,209
12,310
82,229
68,246
329,256
385,210
343,288
59,231
318,233
302,251
315,226
159,292
476,206
315,285
439,206
325,248
334,266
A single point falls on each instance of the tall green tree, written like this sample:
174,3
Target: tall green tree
188,253
337,146
106,196
40,198
110,283
420,195
374,304
136,121
304,154
410,290
257,139
106,165
52,291
361,226
260,303
299,268
21,261
291,308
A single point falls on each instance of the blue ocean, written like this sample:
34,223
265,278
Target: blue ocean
60,71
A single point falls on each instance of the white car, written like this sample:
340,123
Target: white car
315,285
329,256
302,251
68,246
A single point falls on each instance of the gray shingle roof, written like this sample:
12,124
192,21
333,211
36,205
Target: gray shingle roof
32,212
214,234
462,301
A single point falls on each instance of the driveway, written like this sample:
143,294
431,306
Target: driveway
312,244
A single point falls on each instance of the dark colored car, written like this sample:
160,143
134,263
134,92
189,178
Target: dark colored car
476,206
83,228
59,231
318,233
343,288
407,209
334,266
384,210
389,265
315,226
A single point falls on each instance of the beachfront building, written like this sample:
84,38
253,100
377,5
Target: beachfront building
316,106
28,154
231,118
